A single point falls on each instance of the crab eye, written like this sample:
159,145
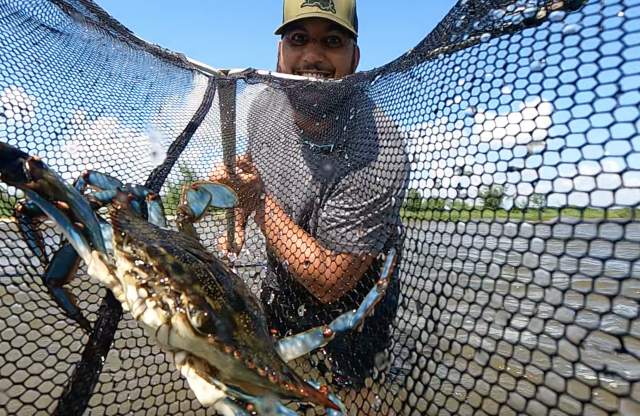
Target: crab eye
201,318
197,319
206,321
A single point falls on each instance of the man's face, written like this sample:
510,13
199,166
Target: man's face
319,48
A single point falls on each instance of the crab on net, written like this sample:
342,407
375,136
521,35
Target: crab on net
187,299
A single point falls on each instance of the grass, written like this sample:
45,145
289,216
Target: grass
7,204
517,215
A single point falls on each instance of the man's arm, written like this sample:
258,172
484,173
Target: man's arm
326,274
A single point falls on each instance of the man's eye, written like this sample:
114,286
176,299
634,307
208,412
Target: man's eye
298,39
334,42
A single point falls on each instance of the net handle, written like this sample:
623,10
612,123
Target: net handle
227,101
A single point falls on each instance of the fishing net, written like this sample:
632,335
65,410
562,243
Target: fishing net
500,157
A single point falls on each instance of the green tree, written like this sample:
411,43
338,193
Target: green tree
413,200
437,204
493,196
538,201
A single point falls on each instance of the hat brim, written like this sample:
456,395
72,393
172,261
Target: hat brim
343,23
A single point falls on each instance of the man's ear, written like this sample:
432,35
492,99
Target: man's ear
356,58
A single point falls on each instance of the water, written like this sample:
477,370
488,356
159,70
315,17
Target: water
533,307
493,295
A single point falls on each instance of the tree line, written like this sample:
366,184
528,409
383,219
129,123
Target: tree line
491,197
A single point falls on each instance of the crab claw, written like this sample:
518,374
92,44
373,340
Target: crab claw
30,173
199,196
295,346
196,198
12,165
61,270
27,213
49,195
98,180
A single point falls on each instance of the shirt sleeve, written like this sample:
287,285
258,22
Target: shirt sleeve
362,211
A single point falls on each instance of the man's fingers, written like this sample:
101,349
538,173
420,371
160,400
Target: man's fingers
223,242
245,163
219,173
247,177
245,158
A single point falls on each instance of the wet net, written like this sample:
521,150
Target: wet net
500,157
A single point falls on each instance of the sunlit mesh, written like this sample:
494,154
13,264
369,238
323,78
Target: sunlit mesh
501,156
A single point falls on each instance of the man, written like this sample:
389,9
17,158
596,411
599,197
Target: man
319,38
324,176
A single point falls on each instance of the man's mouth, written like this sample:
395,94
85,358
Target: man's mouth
315,74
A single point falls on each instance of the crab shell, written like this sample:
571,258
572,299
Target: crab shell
190,300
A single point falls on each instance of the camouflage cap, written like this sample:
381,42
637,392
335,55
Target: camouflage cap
343,12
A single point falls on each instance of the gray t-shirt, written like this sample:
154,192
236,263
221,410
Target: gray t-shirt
339,170
342,185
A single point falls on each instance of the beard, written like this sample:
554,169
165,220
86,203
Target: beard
318,102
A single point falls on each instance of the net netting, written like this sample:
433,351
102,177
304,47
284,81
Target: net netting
500,157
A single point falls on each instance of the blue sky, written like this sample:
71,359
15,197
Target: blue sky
565,118
238,34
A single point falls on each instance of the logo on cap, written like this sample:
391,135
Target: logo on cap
326,5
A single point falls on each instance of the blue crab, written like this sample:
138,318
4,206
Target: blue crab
191,302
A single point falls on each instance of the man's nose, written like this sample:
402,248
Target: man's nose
313,53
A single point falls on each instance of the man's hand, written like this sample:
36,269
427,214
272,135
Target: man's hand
245,181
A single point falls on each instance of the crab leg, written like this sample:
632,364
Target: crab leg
375,295
40,184
62,267
155,211
266,406
298,345
96,179
61,270
211,392
154,208
208,391
333,398
26,212
108,188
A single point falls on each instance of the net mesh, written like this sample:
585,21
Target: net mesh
500,157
